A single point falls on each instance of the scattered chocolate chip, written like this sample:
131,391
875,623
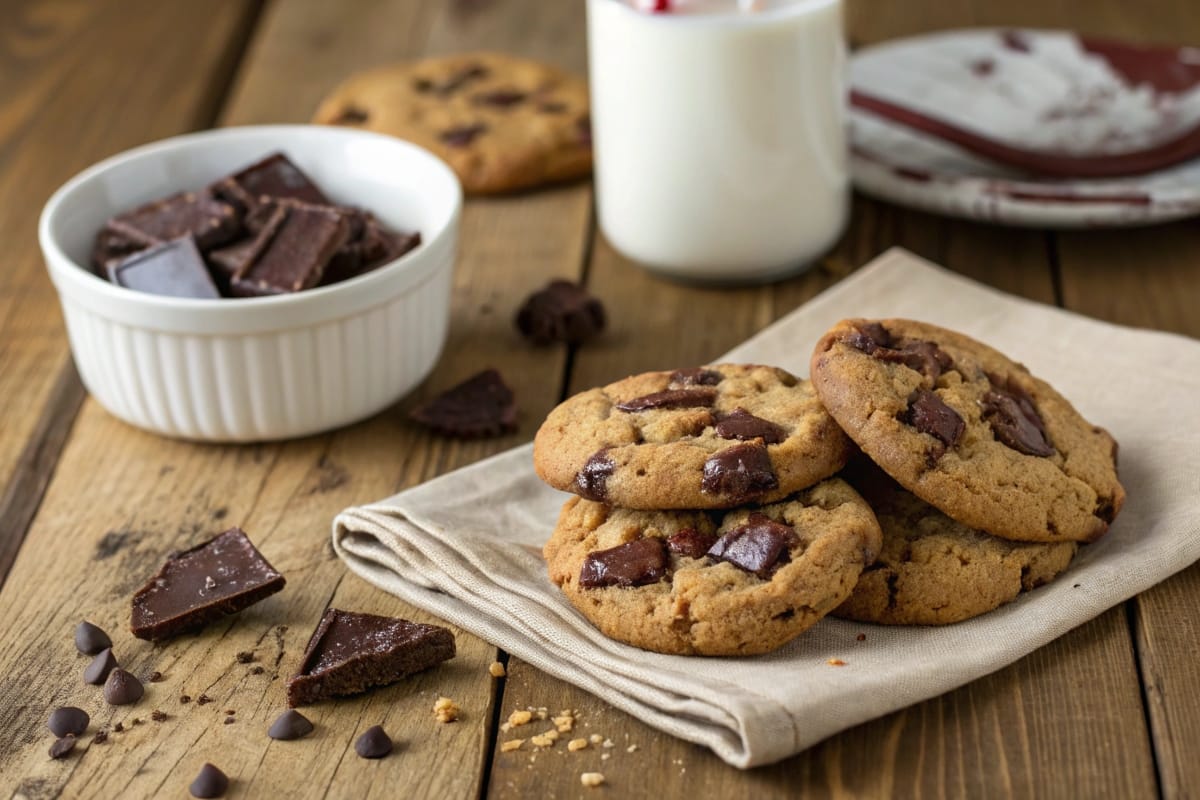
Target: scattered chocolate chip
462,135
257,671
68,720
290,725
480,406
230,720
373,743
671,398
929,414
157,716
203,700
635,563
119,727
757,546
155,676
89,639
740,472
101,737
211,782
741,424
62,746
561,312
501,98
185,699
1014,418
122,688
591,482
690,542
245,657
694,376
96,673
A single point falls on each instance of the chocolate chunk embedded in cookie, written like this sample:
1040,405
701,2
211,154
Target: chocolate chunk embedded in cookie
968,430
737,582
712,437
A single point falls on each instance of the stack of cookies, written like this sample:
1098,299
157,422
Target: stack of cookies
921,477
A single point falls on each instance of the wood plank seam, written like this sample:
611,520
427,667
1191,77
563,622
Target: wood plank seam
1139,662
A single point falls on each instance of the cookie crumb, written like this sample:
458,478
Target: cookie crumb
577,744
497,670
836,662
862,637
203,700
510,745
541,740
565,722
155,677
519,718
245,657
631,749
157,716
136,721
257,671
101,736
591,779
185,698
607,743
605,756
119,727
445,710
595,738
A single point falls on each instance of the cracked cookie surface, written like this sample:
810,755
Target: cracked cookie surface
968,430
502,123
706,437
738,582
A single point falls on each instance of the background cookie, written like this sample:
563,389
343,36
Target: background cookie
932,570
502,123
712,437
644,577
968,430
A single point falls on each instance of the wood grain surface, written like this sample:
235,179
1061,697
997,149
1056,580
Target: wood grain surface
91,506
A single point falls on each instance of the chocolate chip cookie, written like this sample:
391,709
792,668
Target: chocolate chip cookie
738,582
502,123
968,430
710,437
933,570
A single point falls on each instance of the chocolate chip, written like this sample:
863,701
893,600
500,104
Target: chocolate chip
740,472
690,542
924,357
635,563
757,546
290,725
928,414
245,657
185,699
671,398
62,746
89,639
502,98
462,135
591,482
158,716
122,688
741,424
68,720
230,720
257,671
480,406
101,737
211,782
351,115
868,338
119,727
96,673
694,376
561,312
1014,418
203,700
373,743
155,676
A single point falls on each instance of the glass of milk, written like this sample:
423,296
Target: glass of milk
719,135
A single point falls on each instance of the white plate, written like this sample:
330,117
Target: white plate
1038,91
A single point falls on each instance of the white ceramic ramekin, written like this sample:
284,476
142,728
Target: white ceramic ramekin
266,367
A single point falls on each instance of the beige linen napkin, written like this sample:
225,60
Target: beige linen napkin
466,546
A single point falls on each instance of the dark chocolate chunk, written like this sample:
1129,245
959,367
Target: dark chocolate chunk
671,398
290,725
591,481
185,698
122,688
462,135
89,639
1014,418
62,746
210,221
219,577
740,472
561,312
928,414
480,406
741,424
68,720
635,563
225,262
172,269
694,376
757,546
295,246
350,653
373,743
869,338
369,246
690,542
244,657
501,98
111,246
924,357
274,177
211,782
96,673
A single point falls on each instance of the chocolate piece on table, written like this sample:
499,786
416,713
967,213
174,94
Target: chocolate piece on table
219,577
274,176
757,546
62,746
592,479
89,639
740,472
694,376
671,398
211,782
290,725
68,720
173,269
480,406
561,312
691,543
929,414
373,743
210,221
350,653
122,688
637,563
741,424
296,244
96,673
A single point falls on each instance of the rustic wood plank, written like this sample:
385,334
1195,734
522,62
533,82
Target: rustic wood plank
66,102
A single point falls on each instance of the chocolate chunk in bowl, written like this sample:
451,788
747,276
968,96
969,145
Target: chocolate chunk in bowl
172,269
273,177
291,251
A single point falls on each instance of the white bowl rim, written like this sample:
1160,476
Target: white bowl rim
339,299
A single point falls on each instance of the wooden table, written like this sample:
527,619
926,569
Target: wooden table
90,505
